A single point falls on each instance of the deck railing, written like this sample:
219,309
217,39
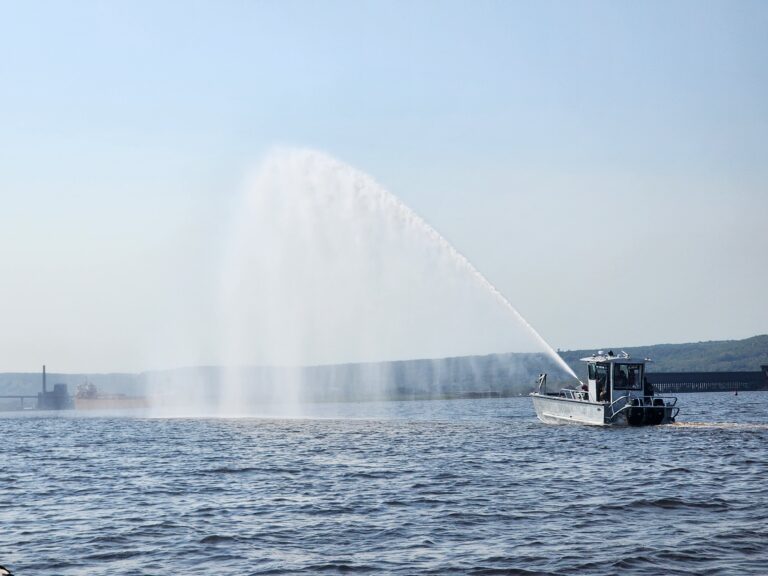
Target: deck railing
646,403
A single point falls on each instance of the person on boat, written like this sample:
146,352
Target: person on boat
602,387
647,387
619,377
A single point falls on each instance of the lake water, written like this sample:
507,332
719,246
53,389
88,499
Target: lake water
440,487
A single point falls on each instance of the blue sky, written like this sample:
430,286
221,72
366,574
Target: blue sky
564,147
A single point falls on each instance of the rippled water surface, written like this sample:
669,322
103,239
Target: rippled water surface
443,487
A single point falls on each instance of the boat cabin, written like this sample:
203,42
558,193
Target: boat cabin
610,376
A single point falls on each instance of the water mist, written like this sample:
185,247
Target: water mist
325,266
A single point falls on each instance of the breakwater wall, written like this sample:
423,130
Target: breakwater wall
677,382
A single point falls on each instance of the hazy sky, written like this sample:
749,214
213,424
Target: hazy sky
605,164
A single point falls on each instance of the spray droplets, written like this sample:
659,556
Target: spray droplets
326,266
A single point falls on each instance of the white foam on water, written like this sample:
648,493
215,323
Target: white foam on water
720,425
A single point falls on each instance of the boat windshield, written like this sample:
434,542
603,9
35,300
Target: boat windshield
627,376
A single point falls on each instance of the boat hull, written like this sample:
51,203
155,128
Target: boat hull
553,409
559,410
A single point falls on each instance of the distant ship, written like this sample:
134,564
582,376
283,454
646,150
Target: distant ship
89,398
616,393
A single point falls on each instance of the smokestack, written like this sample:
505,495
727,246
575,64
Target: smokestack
44,389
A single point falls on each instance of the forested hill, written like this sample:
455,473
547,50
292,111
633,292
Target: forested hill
715,356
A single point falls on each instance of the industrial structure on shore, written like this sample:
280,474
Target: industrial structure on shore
56,399
59,398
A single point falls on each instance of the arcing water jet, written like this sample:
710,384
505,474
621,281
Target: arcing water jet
326,266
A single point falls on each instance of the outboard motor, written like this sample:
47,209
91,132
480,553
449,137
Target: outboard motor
636,414
655,415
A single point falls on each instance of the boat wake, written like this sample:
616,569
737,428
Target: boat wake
720,425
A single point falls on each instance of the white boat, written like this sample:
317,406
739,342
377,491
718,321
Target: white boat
616,393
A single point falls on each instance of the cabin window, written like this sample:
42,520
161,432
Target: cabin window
591,369
627,376
601,375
